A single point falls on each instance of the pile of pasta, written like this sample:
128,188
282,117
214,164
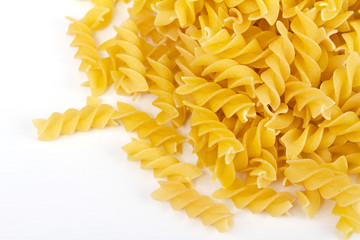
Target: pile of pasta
271,90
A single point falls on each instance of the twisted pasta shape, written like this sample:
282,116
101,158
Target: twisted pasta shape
349,222
278,73
331,183
257,137
263,168
307,140
269,10
352,38
309,58
162,77
93,115
308,99
206,123
164,165
229,72
84,40
147,127
131,75
215,145
100,16
352,104
97,69
256,199
340,86
195,205
346,125
310,201
215,97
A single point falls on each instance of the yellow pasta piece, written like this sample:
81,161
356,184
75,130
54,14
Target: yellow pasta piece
93,115
164,86
310,201
195,205
331,183
256,199
215,97
164,165
349,220
147,127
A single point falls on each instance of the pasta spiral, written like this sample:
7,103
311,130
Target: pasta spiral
345,125
278,73
93,115
263,168
308,99
309,58
160,74
349,222
97,69
195,205
256,199
164,165
340,87
100,16
310,201
331,183
215,97
130,77
147,127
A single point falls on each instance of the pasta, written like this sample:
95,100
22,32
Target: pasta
271,89
147,127
163,165
93,115
195,205
256,199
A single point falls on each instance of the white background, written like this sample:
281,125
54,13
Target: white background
81,186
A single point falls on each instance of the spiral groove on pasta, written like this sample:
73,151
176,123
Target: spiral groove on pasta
256,199
349,222
147,127
278,72
331,184
310,201
195,205
164,165
162,77
263,169
215,97
93,115
130,76
208,134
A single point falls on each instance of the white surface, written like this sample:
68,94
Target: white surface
81,186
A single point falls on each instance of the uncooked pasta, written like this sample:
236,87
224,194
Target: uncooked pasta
269,90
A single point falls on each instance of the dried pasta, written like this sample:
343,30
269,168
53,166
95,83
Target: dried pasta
271,90
182,197
93,115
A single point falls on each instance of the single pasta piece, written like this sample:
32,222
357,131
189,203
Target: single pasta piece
331,183
97,69
256,199
147,127
195,205
164,165
163,87
310,201
263,168
100,15
214,97
93,115
130,76
349,221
